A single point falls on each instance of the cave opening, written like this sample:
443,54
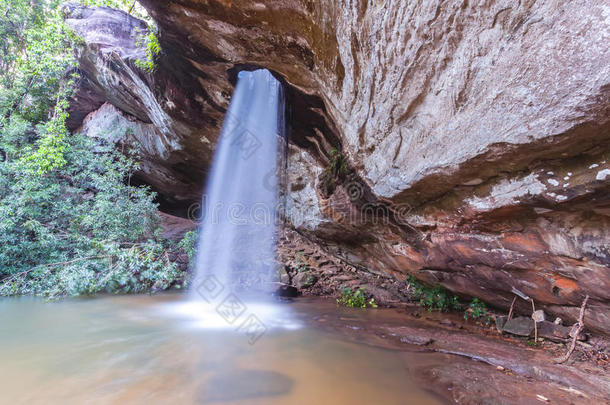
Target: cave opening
308,127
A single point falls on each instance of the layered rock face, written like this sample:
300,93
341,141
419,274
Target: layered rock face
164,113
473,137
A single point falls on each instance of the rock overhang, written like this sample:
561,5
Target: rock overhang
464,138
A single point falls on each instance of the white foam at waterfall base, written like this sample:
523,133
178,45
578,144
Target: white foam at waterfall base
203,315
236,253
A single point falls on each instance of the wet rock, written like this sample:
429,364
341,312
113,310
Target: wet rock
493,388
284,276
417,340
536,364
520,326
288,291
304,280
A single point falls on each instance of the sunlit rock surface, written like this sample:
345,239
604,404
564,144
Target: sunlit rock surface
481,129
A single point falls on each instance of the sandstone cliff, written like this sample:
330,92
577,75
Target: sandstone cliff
475,135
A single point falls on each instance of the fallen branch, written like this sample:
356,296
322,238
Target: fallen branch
512,306
581,325
535,323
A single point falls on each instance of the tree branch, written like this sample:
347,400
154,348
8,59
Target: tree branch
581,325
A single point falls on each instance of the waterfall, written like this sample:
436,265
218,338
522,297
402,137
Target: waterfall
237,235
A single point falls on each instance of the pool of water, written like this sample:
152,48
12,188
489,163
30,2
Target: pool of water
165,350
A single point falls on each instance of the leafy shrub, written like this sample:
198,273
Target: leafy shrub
477,310
70,222
151,44
188,244
80,229
140,268
355,298
433,298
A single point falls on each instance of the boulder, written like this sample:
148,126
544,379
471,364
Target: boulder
554,332
284,276
520,326
286,291
304,279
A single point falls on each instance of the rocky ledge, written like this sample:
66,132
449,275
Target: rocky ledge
464,143
505,370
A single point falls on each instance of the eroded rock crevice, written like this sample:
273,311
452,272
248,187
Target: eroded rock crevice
475,136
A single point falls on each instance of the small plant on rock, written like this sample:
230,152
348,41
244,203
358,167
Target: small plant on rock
301,266
355,298
151,45
188,244
477,310
336,171
433,298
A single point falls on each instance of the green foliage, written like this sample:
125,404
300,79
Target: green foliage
139,268
51,145
35,54
336,171
70,222
301,265
337,167
338,164
355,298
477,310
433,298
153,49
188,244
80,229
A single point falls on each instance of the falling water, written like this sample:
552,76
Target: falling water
236,249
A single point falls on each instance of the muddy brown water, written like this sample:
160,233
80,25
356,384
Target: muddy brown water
142,350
